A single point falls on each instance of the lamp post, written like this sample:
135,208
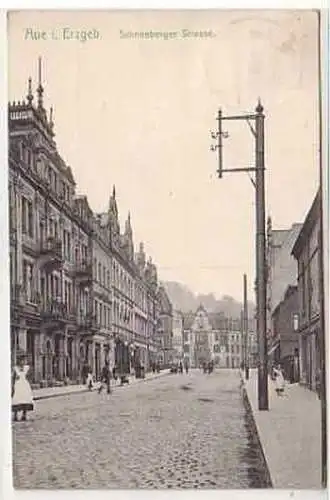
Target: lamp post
259,184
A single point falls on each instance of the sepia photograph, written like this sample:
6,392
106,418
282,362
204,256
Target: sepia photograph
166,204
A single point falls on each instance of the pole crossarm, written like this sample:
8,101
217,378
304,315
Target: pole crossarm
239,117
239,169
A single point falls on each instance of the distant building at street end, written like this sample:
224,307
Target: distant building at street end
281,274
212,336
177,339
306,251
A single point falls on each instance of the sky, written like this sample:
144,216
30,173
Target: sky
138,114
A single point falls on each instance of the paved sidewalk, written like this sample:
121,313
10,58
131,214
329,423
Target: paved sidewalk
52,392
290,434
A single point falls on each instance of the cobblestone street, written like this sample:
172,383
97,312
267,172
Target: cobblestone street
178,431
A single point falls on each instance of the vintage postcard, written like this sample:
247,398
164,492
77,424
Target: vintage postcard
166,215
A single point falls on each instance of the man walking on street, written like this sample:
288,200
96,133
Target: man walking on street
105,378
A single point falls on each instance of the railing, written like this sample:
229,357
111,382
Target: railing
84,272
54,309
52,246
88,322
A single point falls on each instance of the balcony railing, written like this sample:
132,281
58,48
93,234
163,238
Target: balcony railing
84,273
50,254
88,324
54,310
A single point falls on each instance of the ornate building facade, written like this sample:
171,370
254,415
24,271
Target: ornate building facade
212,336
165,326
78,291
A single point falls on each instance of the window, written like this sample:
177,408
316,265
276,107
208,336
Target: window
100,272
70,296
104,273
100,318
68,255
55,181
28,280
303,290
27,217
56,287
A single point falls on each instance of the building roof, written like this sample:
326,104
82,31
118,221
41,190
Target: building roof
308,225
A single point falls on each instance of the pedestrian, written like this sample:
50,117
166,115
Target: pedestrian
180,367
114,373
296,365
105,378
279,380
187,368
22,397
89,379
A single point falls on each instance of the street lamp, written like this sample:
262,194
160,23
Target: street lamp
259,184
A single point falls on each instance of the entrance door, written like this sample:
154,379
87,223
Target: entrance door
48,371
69,359
30,341
56,364
97,361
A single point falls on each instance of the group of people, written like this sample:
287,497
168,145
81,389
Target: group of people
207,367
105,381
186,367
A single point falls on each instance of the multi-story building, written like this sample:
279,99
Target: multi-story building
46,223
306,251
79,295
165,326
286,337
281,274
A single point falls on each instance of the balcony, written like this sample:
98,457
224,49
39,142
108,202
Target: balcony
50,254
88,324
54,313
83,272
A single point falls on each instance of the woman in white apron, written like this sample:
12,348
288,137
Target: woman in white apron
22,397
279,381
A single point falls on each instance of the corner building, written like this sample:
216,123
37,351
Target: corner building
78,291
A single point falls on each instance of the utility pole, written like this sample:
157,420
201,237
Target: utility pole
246,330
259,184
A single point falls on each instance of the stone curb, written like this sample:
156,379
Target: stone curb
248,408
82,390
